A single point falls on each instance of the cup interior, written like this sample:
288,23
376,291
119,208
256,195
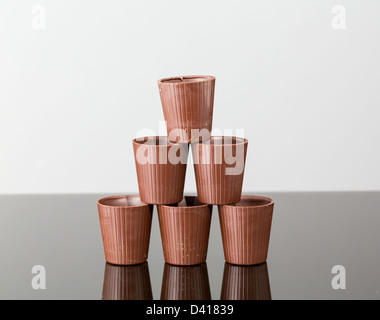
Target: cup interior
188,201
153,141
224,140
122,201
185,79
252,201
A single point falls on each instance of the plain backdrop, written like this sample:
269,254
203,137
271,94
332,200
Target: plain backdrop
75,93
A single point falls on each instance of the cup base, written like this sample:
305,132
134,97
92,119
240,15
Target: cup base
185,264
253,263
132,263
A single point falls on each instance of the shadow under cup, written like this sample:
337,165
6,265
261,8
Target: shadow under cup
127,282
125,223
245,283
185,283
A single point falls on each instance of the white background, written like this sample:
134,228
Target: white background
73,95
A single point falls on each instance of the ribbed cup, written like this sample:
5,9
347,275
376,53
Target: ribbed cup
185,229
245,283
127,282
185,283
161,169
245,228
125,222
219,169
188,104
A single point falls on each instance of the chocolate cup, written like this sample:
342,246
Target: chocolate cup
188,104
245,283
185,229
125,222
160,180
246,229
127,282
218,180
185,283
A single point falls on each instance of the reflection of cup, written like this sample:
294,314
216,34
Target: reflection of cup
219,169
187,103
125,222
127,282
161,169
185,229
245,283
185,283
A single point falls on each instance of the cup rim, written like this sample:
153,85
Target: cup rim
208,142
172,205
120,197
271,202
145,138
197,79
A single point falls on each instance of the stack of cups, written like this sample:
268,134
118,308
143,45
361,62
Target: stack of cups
219,163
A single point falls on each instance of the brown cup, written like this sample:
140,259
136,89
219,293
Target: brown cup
188,103
161,169
127,282
246,229
219,169
185,229
185,283
245,283
125,222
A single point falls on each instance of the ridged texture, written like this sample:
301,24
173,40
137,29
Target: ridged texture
185,232
160,183
246,283
245,233
127,283
214,186
126,233
185,283
187,105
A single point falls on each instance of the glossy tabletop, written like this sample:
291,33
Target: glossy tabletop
311,233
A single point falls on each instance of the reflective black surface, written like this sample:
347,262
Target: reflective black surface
311,233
